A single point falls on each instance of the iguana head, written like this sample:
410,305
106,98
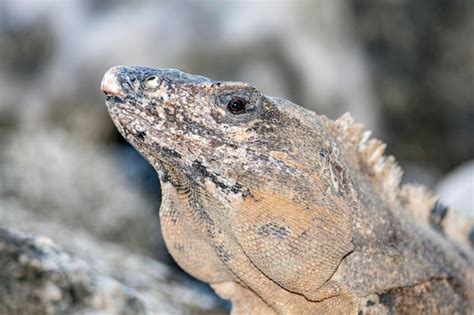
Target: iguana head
200,127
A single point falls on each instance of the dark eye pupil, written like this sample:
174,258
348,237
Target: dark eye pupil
236,106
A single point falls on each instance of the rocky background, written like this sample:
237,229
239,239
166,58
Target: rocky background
79,232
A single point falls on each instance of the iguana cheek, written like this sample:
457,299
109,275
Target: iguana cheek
242,135
219,114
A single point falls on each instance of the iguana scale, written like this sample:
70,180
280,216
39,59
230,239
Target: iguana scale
283,211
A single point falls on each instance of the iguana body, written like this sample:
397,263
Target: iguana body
283,211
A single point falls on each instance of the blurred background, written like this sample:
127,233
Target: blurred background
403,68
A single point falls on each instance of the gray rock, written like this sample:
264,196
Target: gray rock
37,277
77,184
422,68
457,188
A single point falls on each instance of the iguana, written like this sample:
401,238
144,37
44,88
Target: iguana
283,211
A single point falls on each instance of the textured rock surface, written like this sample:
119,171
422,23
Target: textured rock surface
421,55
76,184
37,277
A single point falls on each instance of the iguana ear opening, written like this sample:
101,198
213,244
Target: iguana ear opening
300,249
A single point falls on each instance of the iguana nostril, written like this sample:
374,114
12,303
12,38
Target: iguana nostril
152,81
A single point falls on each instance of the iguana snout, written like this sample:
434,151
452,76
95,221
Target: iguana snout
110,84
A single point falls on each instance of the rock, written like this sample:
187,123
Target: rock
457,188
77,184
422,67
37,277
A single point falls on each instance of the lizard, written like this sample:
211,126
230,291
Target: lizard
283,211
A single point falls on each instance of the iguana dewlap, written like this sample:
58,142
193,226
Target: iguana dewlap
283,211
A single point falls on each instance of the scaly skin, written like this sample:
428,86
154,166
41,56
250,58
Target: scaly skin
283,211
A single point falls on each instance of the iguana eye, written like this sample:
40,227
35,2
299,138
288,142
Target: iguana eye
152,81
238,103
236,106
